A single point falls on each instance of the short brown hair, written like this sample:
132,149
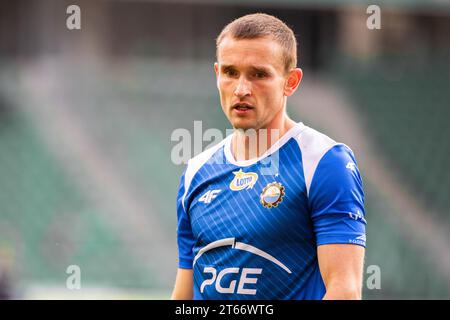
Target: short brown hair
259,25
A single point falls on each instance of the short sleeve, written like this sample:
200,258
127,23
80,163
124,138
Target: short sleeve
336,199
185,237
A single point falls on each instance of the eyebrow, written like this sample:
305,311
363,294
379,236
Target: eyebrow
253,68
227,66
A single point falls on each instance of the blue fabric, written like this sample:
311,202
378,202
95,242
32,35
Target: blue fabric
271,253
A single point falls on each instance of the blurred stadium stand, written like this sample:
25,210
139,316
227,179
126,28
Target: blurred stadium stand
406,105
86,120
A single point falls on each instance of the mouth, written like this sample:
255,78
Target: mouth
242,107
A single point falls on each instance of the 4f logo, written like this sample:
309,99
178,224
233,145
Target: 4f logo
209,196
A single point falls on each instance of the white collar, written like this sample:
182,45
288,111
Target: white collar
295,130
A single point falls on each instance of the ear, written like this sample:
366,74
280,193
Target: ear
216,68
293,80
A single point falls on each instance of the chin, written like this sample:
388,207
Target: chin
243,125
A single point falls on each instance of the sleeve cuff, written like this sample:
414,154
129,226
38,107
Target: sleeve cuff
357,239
185,263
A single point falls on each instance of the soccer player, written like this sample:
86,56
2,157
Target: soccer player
286,222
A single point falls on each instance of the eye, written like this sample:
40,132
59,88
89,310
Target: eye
260,75
230,72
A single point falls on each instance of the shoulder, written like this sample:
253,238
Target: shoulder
313,143
197,162
318,149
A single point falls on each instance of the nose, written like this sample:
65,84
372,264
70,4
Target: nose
243,88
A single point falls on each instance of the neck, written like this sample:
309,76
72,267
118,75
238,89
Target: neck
253,143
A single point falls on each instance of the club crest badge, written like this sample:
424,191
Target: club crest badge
272,195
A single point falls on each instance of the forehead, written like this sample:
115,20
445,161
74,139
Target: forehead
250,52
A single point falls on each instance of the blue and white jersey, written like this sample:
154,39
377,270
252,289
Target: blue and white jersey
250,229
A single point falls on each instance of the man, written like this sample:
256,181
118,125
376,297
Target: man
284,219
